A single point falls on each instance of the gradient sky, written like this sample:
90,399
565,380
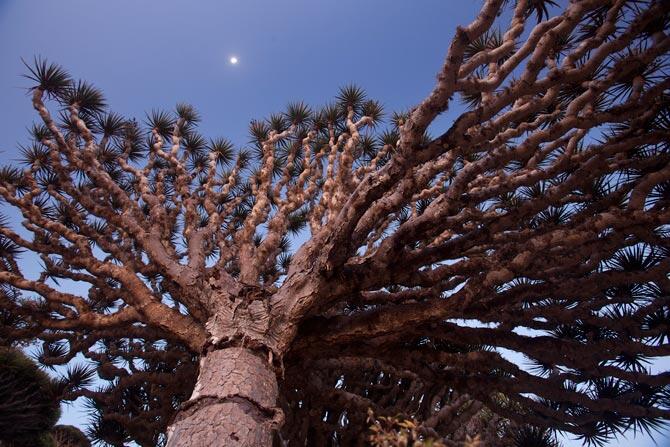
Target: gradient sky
152,54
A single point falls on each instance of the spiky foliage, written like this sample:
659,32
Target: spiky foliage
138,407
537,222
29,405
540,8
84,97
48,77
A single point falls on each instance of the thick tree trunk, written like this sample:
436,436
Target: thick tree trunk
233,403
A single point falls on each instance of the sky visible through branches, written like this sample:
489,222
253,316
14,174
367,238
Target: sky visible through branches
152,55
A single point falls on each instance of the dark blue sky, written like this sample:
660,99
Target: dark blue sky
147,54
152,54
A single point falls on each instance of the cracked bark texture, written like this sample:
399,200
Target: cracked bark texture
233,403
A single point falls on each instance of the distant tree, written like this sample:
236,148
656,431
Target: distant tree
471,425
69,436
29,405
536,222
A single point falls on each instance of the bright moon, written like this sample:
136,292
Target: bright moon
233,60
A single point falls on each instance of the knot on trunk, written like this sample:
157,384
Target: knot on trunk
251,292
243,320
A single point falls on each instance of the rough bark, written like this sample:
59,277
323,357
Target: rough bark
233,403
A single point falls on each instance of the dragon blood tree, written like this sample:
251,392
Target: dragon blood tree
536,222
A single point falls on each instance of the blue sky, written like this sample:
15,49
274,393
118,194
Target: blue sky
147,54
152,54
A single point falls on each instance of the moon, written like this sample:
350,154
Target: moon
233,60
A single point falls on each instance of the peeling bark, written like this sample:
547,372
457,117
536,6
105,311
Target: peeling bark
233,403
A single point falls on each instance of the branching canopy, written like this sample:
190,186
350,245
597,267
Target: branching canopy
537,222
